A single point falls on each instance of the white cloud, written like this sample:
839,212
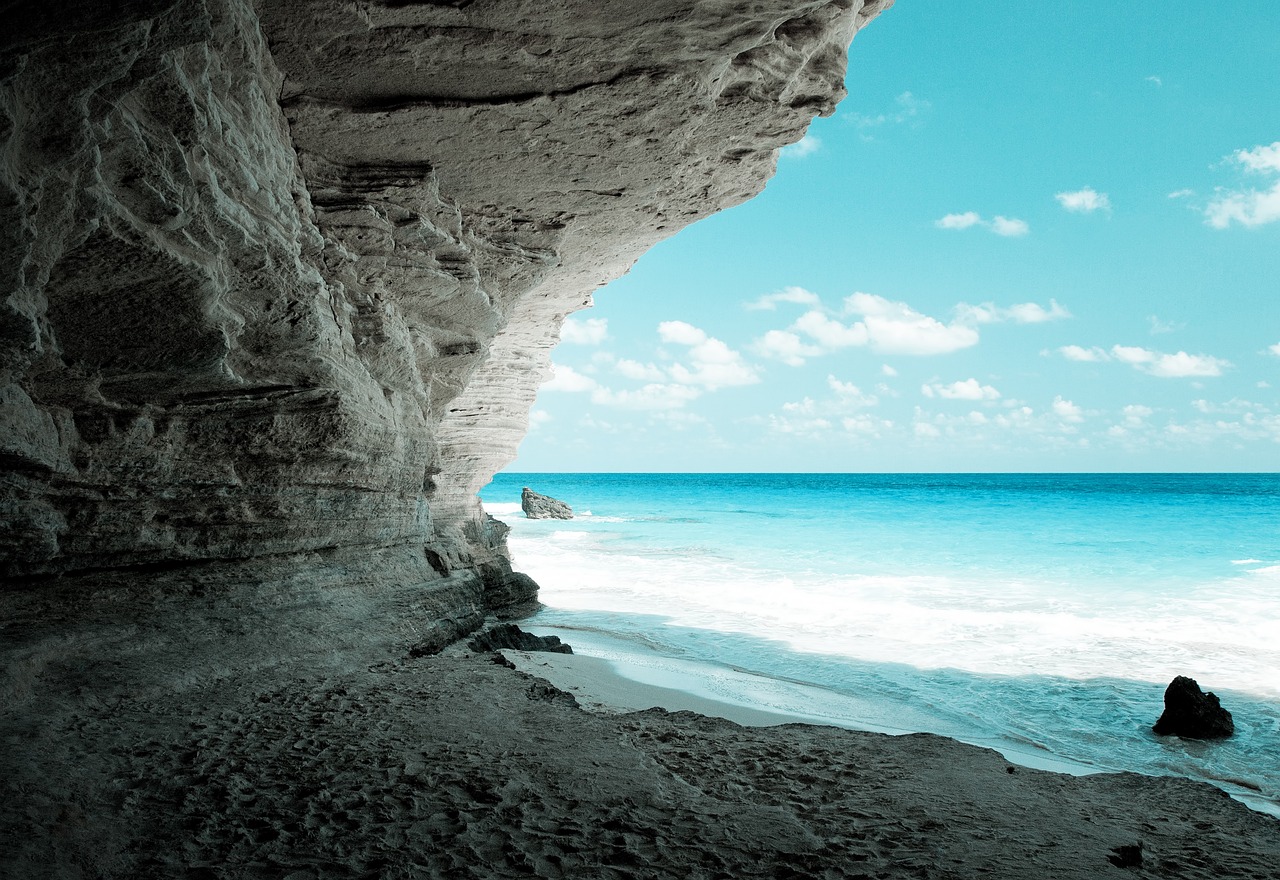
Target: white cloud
1084,201
1086,355
1021,313
866,425
806,146
537,418
680,333
959,221
1009,226
712,364
640,372
1169,366
909,109
830,333
785,346
1066,410
1158,326
1274,349
655,396
769,302
968,389
850,394
1249,207
568,379
1181,193
590,331
896,328
1155,80
888,370
1135,414
924,429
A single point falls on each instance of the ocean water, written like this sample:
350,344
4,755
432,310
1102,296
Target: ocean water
1041,615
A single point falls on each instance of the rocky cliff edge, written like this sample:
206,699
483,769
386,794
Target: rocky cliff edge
280,280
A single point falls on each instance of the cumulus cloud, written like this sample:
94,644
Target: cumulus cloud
589,331
1084,201
959,221
1066,410
1021,313
785,346
1085,355
638,371
1135,414
1009,226
850,395
830,333
655,396
1155,80
967,389
887,370
712,364
896,328
1274,349
1181,193
806,146
1006,226
1169,366
769,302
568,379
1249,207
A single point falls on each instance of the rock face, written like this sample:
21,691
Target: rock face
508,635
537,506
280,279
1191,713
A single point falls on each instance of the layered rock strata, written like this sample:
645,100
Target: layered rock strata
280,280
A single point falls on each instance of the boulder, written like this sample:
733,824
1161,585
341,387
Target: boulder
537,506
1190,712
508,635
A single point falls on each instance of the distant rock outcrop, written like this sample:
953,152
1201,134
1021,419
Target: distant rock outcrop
1192,713
537,506
508,635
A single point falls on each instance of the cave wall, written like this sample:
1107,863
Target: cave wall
280,280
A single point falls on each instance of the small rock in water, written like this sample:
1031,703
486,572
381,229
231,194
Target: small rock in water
537,506
1191,713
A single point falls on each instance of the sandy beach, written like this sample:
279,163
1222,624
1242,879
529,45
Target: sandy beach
272,753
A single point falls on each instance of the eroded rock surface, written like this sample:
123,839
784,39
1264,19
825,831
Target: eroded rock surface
281,279
538,506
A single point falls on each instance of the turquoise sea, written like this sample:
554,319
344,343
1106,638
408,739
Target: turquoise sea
1039,614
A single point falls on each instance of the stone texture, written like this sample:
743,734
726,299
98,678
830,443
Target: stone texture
536,506
508,635
281,279
1189,712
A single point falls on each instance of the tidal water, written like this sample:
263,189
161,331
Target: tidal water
1038,614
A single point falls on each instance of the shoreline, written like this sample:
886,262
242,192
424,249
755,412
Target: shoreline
313,746
611,675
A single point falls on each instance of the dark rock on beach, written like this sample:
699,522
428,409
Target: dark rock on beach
508,635
1189,712
537,506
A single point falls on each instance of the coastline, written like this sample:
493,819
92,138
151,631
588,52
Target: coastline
312,746
612,675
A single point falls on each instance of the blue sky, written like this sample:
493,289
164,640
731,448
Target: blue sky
1035,237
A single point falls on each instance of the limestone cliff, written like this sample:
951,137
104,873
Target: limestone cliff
280,280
